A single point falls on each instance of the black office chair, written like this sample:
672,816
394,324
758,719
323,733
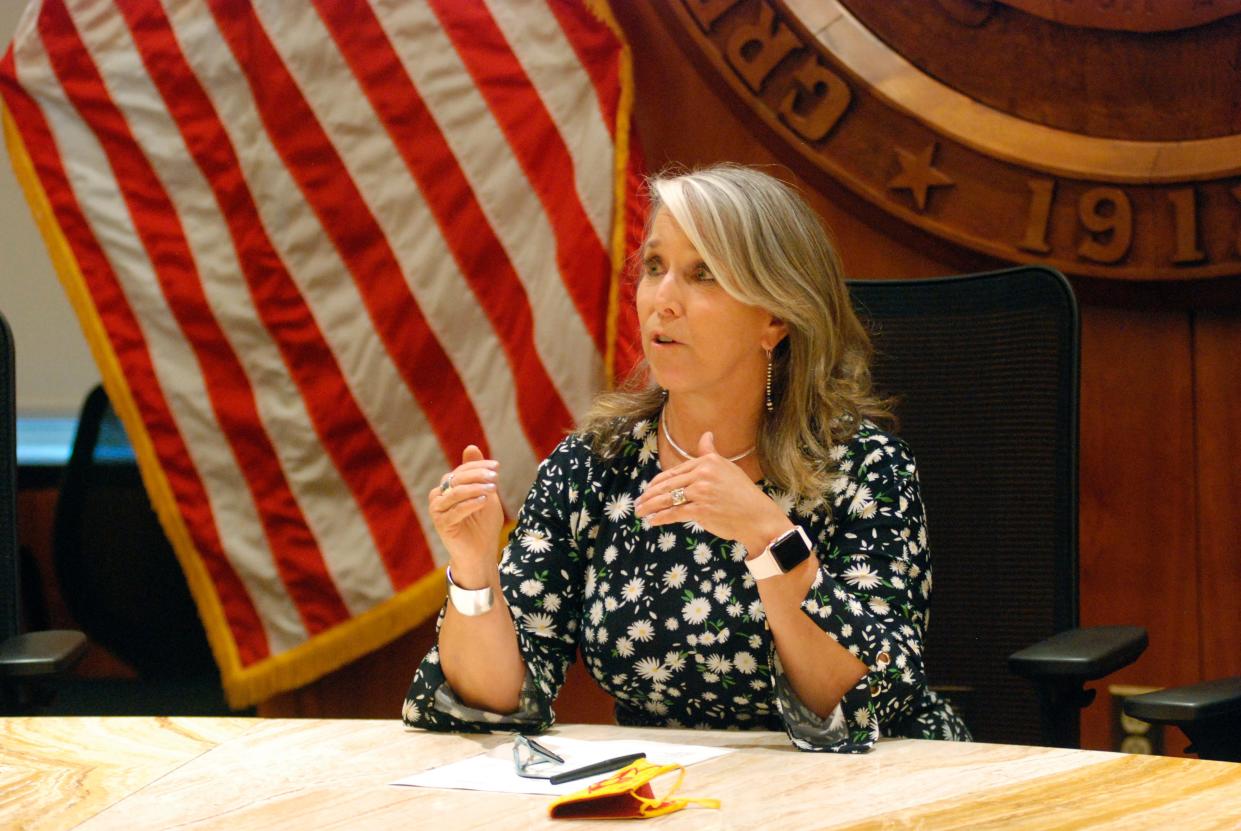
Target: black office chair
25,657
122,582
1209,714
985,372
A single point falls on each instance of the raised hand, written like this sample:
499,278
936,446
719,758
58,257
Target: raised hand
465,509
718,495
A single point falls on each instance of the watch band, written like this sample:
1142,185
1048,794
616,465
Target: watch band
766,565
469,602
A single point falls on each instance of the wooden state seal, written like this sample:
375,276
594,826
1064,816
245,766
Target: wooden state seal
921,141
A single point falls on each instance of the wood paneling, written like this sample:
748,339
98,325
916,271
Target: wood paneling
1087,80
36,512
374,686
1137,493
1217,388
371,687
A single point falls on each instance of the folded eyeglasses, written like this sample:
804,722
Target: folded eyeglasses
532,760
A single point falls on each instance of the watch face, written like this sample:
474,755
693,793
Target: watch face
790,551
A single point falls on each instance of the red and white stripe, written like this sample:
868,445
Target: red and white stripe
330,245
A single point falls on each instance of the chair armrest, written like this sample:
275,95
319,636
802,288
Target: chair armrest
1207,701
41,653
1081,654
1208,713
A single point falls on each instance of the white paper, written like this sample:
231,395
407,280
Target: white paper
493,771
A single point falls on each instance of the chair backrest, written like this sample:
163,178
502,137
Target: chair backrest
10,578
116,568
984,368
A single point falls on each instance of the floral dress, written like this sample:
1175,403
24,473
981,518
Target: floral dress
668,619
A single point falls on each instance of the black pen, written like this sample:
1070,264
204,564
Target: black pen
606,766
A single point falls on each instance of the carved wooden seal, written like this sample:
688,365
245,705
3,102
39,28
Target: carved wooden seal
1163,205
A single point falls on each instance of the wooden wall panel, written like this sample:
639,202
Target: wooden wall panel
374,687
1011,65
1217,355
371,687
36,516
1137,488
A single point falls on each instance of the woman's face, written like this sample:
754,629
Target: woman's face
695,336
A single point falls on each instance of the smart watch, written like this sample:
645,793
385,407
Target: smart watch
783,554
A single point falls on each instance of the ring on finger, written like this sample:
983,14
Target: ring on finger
678,496
446,485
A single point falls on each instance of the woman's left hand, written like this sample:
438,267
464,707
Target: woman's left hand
718,495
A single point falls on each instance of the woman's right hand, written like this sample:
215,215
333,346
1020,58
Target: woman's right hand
468,516
479,654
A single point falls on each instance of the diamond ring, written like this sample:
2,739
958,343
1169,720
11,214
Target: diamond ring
678,496
446,484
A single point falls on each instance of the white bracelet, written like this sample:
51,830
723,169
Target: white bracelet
469,602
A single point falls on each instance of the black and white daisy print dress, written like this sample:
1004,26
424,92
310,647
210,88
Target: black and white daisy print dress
669,620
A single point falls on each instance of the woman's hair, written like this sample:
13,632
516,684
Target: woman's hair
767,248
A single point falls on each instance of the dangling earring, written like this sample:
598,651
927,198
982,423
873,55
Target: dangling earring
770,407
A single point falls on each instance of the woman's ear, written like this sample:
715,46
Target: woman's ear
776,331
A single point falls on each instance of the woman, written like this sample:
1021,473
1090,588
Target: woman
732,543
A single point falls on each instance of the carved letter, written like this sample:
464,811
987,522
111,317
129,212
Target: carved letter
1118,221
754,49
706,12
1041,192
1185,212
815,101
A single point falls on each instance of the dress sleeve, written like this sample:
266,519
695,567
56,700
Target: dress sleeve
541,580
870,595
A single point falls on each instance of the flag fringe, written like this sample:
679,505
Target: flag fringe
340,645
620,173
243,686
160,492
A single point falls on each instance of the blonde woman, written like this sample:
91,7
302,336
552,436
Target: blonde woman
733,541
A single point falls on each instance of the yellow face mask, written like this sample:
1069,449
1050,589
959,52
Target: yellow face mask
626,794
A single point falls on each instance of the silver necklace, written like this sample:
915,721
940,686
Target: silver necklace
663,422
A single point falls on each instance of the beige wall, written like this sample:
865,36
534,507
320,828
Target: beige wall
54,367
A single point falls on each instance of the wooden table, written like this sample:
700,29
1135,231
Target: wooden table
137,773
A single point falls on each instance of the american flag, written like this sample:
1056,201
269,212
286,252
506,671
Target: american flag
317,248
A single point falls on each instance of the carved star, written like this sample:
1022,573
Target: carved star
918,175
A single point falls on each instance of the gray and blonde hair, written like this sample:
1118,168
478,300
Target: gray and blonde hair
767,248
